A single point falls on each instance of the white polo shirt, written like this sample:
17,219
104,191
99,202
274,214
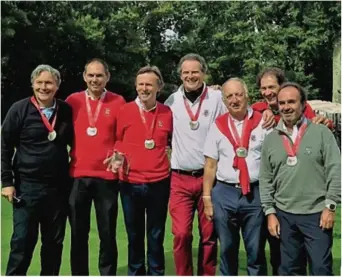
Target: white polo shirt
187,144
218,147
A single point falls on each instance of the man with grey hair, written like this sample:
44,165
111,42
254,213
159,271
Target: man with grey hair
232,157
37,131
195,107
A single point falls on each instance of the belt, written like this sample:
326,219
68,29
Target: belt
194,173
237,185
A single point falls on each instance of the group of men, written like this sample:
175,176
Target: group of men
226,162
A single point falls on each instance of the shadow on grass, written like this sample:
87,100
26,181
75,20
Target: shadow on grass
170,267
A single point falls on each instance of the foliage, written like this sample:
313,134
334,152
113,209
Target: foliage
236,38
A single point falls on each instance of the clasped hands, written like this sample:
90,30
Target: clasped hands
114,162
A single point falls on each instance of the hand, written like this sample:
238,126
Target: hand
8,193
327,219
208,208
273,225
114,162
319,119
269,120
216,87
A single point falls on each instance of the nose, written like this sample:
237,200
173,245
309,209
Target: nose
267,92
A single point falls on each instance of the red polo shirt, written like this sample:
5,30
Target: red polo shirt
144,165
88,152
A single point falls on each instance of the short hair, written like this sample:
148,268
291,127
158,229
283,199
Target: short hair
302,92
242,82
98,60
272,71
192,57
45,67
152,69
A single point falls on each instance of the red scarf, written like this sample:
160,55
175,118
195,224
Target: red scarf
240,162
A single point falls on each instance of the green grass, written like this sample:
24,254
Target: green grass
6,231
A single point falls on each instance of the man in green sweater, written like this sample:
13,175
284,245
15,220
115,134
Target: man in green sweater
300,185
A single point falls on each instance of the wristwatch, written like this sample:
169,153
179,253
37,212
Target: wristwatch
331,207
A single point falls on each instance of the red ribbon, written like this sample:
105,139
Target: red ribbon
149,131
239,162
46,121
292,149
188,109
92,119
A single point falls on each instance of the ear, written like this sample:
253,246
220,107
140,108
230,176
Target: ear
84,76
108,76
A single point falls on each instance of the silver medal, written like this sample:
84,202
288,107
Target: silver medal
91,131
291,161
52,135
241,152
149,144
194,125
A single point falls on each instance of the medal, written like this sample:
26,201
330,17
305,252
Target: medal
194,124
91,131
241,152
52,135
292,149
291,161
149,141
149,144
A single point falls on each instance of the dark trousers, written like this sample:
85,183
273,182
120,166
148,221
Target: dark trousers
232,212
303,230
138,201
104,193
45,207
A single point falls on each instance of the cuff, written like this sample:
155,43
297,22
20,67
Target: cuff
329,201
7,184
270,210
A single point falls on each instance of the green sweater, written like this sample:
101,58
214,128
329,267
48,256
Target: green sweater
309,185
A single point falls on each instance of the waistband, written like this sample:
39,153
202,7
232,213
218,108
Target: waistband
194,173
237,185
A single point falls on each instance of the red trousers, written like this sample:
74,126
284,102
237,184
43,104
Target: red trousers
185,198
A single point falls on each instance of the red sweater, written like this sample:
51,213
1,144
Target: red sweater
144,165
88,153
262,106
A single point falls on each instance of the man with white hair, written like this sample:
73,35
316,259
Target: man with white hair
232,156
36,131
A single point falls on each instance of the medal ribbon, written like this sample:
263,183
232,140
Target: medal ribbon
292,149
149,131
239,162
46,122
188,109
92,119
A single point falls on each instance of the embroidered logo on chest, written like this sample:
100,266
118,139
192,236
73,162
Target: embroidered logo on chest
160,123
308,150
253,138
206,113
107,111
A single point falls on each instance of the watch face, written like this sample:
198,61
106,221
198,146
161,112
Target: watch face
332,207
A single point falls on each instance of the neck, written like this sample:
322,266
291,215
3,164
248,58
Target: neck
148,105
95,95
197,90
45,104
239,116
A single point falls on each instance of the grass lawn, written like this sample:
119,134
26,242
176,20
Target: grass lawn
6,231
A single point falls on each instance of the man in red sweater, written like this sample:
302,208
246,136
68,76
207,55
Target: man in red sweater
143,131
269,82
94,117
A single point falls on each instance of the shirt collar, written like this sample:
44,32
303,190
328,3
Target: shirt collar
141,106
91,97
281,125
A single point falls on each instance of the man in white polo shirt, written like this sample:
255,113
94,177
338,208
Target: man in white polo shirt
232,150
195,107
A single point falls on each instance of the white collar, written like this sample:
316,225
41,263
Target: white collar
93,98
141,106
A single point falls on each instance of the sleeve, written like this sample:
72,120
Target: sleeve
71,132
332,167
308,111
211,143
10,132
266,184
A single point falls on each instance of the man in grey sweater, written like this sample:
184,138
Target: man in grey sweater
300,185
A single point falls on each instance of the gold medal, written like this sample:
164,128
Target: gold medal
52,135
194,125
149,144
241,152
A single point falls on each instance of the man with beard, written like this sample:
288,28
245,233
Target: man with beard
300,185
94,116
195,107
35,133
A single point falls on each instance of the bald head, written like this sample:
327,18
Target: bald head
235,97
